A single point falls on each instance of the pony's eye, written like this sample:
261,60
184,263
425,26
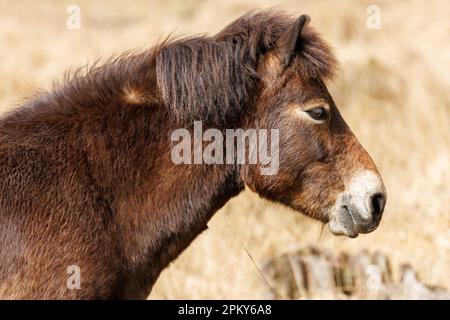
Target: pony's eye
318,113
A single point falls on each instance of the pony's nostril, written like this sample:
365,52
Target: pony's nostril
377,201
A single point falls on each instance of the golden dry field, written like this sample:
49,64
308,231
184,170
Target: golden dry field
393,90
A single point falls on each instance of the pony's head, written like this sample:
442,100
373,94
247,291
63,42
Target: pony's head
324,172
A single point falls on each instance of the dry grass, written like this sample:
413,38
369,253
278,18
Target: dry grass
393,92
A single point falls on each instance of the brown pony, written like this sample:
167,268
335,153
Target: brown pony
88,185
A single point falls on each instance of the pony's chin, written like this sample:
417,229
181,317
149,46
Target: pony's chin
342,224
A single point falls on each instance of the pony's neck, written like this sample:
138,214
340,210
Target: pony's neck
158,207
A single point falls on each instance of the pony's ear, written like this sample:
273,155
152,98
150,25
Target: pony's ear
285,46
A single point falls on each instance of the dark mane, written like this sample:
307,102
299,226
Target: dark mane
211,78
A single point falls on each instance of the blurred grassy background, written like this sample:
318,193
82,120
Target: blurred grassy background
392,90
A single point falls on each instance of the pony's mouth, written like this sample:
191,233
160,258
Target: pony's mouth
347,221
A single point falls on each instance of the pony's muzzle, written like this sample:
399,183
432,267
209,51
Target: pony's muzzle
360,207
